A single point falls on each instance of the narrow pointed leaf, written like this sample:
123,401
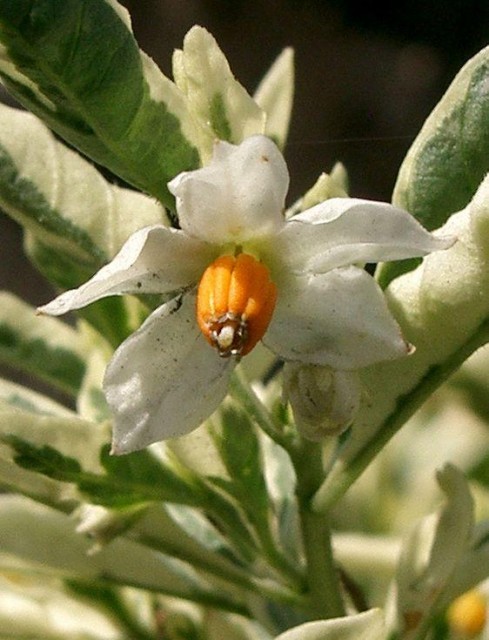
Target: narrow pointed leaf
214,95
275,95
29,529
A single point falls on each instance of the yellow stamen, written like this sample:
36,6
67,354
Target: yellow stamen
235,303
467,614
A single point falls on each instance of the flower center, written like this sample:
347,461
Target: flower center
235,303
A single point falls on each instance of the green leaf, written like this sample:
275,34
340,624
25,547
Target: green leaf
38,538
76,65
449,157
215,97
44,347
45,459
61,198
275,95
368,625
132,480
239,447
67,434
15,396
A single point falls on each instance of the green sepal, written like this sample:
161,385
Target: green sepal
76,65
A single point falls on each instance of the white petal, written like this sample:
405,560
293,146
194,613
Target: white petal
339,319
165,379
238,196
342,231
155,259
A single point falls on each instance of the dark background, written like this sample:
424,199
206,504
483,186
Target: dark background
366,78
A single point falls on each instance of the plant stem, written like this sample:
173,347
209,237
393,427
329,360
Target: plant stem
325,600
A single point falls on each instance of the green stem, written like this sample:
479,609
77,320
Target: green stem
323,580
345,471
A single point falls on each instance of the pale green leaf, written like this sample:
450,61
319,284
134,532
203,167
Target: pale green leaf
63,199
71,436
34,608
275,95
41,346
28,533
215,97
449,157
362,626
18,397
431,554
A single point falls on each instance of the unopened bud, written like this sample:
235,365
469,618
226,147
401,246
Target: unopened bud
324,400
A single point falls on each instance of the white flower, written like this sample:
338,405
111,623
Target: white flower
292,283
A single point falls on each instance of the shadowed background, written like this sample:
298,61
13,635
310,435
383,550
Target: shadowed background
366,78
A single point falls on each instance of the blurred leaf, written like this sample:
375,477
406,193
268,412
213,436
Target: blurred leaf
368,625
44,347
44,459
67,434
275,95
449,157
76,65
431,555
38,538
15,396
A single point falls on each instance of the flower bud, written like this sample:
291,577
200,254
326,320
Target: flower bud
324,400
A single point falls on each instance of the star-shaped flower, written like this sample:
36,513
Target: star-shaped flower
241,272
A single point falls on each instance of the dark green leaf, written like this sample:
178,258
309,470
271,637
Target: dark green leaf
449,157
240,451
42,459
78,67
116,489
